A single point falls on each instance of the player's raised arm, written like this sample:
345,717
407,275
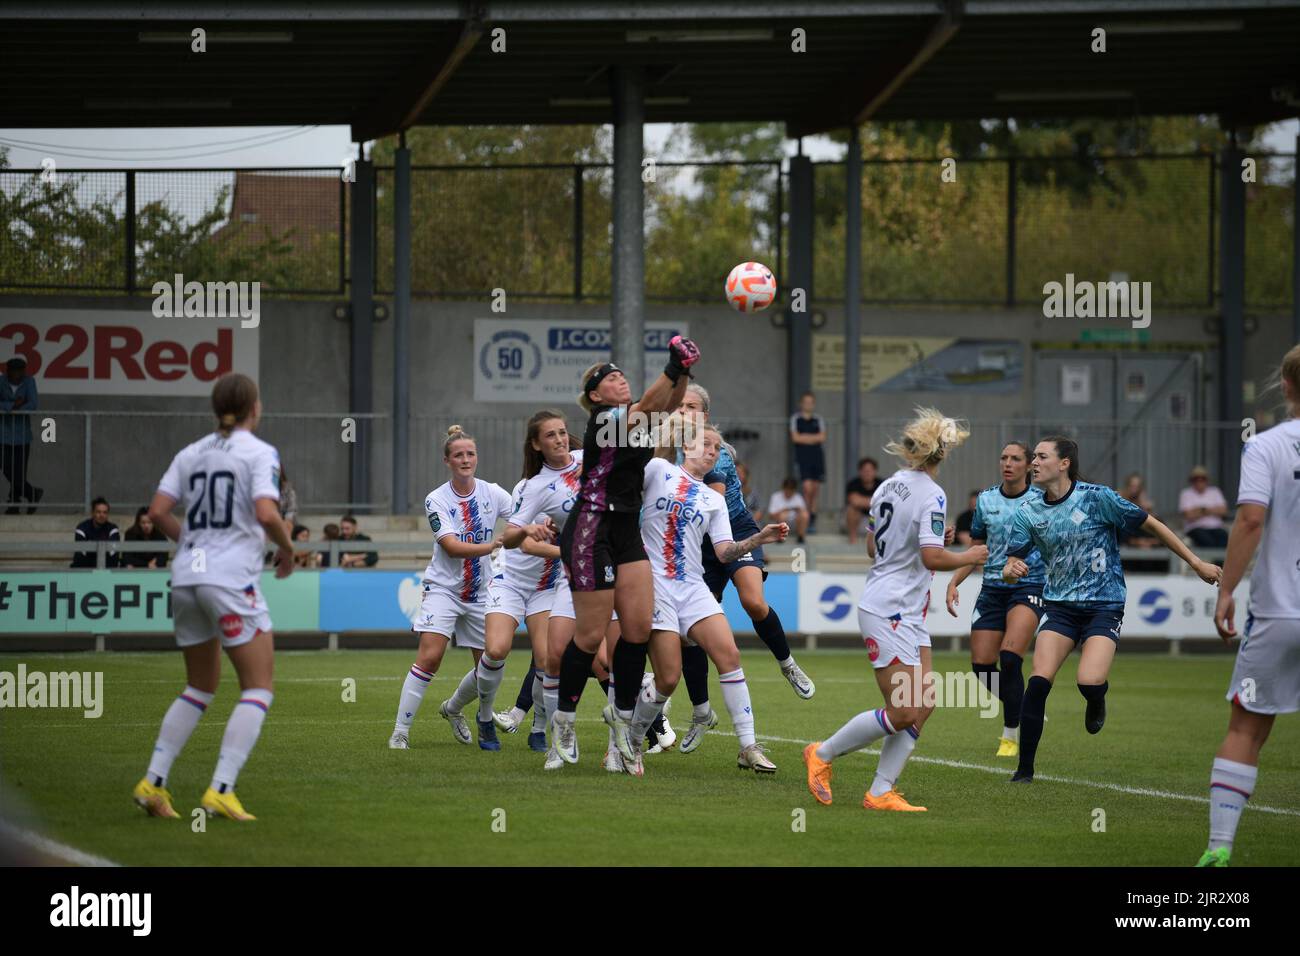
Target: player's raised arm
668,390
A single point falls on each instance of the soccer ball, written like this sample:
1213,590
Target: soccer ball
750,287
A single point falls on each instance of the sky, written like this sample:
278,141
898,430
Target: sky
224,147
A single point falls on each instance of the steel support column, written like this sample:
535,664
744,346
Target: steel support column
852,298
627,322
401,427
1232,310
361,357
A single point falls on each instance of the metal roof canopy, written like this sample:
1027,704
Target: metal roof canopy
391,65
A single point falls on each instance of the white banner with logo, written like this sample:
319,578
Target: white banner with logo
541,361
1158,605
126,351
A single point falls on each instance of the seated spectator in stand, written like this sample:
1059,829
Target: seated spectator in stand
96,528
1135,490
354,559
331,532
288,501
789,506
966,519
144,530
305,557
749,494
857,497
1203,507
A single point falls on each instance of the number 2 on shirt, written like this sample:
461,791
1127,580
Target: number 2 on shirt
886,515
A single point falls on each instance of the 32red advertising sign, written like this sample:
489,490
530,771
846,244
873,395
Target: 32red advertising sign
125,352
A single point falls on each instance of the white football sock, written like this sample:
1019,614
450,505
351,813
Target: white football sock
736,694
1011,733
551,694
540,710
1231,784
786,664
649,705
242,729
893,755
488,676
466,691
700,711
178,723
413,688
866,728
610,695
516,714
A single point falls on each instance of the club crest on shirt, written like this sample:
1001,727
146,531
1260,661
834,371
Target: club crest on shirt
936,522
1077,516
609,574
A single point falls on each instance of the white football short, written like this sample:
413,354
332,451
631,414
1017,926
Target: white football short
1266,677
679,606
504,597
893,640
204,611
562,604
444,613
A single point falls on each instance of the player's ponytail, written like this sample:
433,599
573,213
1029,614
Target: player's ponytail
454,434
533,457
927,439
1290,374
234,399
673,433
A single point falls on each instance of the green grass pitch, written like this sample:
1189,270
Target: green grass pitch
327,790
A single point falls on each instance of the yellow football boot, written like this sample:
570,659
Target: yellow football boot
224,805
1008,747
154,801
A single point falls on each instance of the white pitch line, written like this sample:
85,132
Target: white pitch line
43,844
1002,771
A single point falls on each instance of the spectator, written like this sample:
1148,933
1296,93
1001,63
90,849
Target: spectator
144,530
1135,490
17,394
965,519
354,559
789,506
1203,507
808,432
96,528
857,497
288,501
305,557
331,532
749,494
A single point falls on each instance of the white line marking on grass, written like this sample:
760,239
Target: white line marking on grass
1002,771
43,844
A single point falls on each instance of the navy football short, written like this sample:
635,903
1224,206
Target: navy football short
594,543
994,603
716,574
1079,622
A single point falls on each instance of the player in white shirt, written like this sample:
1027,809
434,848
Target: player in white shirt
525,590
678,509
1266,678
228,484
908,514
462,514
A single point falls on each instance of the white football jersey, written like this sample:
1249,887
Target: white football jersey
216,480
471,518
1270,476
677,511
908,513
550,493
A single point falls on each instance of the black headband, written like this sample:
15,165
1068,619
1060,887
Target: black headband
598,376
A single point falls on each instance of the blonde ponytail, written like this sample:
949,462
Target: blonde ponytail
927,439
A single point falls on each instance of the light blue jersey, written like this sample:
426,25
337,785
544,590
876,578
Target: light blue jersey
724,472
994,510
1076,536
